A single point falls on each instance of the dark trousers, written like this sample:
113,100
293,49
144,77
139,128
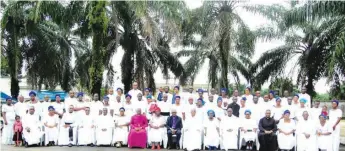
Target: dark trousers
70,133
172,143
268,142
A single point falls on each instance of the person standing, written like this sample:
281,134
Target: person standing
59,107
316,110
137,136
225,100
95,106
134,92
119,92
164,105
129,106
285,98
248,96
306,96
20,107
235,107
51,123
17,129
35,103
8,115
70,100
335,115
176,93
267,135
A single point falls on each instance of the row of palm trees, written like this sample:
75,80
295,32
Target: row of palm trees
46,35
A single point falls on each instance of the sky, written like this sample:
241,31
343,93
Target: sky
253,21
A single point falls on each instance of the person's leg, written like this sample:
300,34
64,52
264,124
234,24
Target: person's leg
70,136
169,139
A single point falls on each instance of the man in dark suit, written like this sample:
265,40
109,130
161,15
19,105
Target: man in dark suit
174,126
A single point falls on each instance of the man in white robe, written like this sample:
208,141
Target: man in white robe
111,95
211,103
20,107
134,92
193,131
104,130
86,129
117,105
260,99
165,106
32,128
214,94
306,96
229,131
335,115
291,108
68,128
51,129
188,107
44,106
284,99
305,133
190,94
316,111
80,105
96,106
70,100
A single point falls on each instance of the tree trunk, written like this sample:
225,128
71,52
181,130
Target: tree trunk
98,22
13,61
223,48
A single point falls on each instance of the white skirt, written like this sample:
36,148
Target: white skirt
120,135
286,141
155,135
7,133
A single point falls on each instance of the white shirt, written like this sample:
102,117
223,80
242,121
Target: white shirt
116,106
284,101
20,108
249,98
334,115
37,107
164,106
59,107
9,110
70,101
134,94
179,109
51,120
95,107
315,113
307,97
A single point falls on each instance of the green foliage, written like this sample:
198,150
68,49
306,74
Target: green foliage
4,66
322,97
282,84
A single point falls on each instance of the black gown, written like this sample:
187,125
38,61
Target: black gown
268,142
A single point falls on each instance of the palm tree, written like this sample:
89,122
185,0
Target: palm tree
225,40
316,49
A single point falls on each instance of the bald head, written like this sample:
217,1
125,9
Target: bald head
21,98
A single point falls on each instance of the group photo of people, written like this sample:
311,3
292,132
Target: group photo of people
193,120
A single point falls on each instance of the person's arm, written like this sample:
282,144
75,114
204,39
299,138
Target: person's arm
339,118
261,128
274,130
4,117
167,125
181,124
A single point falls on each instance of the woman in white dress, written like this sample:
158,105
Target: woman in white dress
286,127
129,106
51,122
335,115
121,128
8,115
278,110
211,131
157,128
324,134
248,128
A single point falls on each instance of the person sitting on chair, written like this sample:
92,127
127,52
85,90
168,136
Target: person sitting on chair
174,126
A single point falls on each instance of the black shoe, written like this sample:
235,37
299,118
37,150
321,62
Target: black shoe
70,145
177,148
26,145
92,145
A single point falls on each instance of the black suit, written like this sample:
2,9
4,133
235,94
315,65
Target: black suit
178,127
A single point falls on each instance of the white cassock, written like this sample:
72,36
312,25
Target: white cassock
284,101
212,135
134,94
229,131
20,108
95,107
116,106
187,110
315,113
333,118
179,109
80,104
33,123
86,130
286,142
121,133
170,97
248,124
37,107
156,135
104,137
192,133
201,113
277,112
189,95
266,106
130,108
64,139
51,134
7,132
59,107
306,127
112,98
165,107
256,112
307,97
324,142
70,101
299,112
